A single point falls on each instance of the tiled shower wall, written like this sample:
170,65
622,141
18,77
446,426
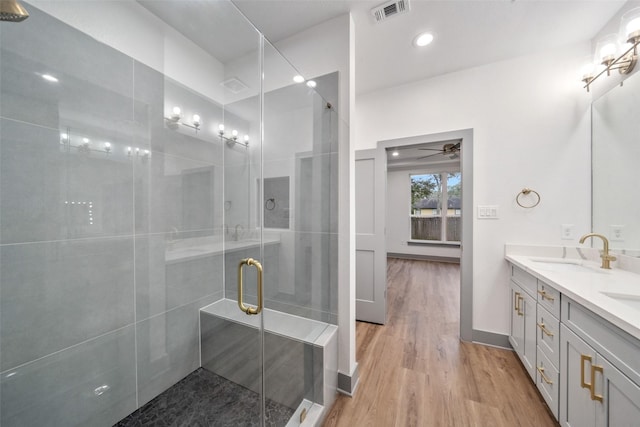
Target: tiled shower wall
93,321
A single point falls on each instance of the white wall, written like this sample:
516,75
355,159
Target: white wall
398,218
530,118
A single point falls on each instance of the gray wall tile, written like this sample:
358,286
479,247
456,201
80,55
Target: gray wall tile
57,294
92,384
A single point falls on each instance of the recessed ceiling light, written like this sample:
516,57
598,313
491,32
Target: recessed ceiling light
423,39
298,79
395,154
311,83
50,78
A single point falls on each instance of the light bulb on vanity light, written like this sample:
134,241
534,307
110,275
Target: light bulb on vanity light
107,146
246,138
221,129
196,120
175,114
234,134
128,151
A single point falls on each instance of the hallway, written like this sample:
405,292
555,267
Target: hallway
414,371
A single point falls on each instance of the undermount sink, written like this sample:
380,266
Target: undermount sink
632,301
561,264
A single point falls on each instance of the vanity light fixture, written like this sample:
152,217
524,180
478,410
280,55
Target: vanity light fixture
616,51
175,116
233,139
107,147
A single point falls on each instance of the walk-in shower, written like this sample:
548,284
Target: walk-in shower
150,151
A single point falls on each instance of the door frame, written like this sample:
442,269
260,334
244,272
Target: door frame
466,244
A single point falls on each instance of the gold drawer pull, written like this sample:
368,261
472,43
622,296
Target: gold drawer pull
516,296
545,295
583,358
543,376
595,396
520,313
544,329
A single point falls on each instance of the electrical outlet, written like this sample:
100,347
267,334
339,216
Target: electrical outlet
567,232
616,233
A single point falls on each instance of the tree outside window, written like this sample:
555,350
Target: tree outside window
435,207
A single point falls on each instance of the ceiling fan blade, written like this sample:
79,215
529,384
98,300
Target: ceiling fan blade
430,155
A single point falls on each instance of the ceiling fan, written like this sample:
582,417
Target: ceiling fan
452,149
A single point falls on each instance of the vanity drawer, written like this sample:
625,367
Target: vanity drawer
548,382
526,281
548,332
549,298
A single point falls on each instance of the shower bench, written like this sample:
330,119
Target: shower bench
300,355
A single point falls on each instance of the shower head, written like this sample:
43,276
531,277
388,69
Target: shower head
12,11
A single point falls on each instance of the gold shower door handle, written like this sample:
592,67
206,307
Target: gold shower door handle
248,309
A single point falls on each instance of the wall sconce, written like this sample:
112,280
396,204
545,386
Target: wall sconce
616,52
234,137
175,116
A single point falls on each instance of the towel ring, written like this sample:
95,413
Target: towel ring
526,191
270,204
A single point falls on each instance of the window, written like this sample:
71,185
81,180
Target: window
436,207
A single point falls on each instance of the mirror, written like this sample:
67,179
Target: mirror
615,148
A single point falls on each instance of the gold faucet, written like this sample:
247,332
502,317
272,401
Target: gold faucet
606,258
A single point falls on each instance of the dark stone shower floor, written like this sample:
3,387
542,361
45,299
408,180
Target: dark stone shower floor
204,399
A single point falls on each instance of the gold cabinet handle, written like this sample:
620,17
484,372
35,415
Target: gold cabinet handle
595,396
520,298
516,298
544,329
248,309
543,376
545,295
583,358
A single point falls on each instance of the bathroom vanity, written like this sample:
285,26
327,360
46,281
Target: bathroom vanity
576,329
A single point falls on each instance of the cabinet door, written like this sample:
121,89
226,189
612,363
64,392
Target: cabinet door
523,327
576,407
620,405
516,337
529,305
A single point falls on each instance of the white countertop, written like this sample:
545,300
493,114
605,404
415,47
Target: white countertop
188,249
585,287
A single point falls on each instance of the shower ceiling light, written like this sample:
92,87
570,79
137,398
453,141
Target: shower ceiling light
298,79
50,78
311,83
395,153
423,39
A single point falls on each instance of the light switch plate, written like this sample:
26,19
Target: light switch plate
488,212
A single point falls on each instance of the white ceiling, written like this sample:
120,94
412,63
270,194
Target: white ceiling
468,33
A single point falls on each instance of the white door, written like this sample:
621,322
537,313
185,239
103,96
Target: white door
371,255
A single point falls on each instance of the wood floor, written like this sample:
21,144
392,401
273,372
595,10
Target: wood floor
414,371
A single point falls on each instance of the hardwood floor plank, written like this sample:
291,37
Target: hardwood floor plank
415,371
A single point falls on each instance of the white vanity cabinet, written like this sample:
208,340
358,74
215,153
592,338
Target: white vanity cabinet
594,392
523,318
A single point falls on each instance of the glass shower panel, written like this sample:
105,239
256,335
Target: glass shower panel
113,215
297,209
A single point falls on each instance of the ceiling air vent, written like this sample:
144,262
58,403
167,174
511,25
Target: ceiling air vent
234,85
389,9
